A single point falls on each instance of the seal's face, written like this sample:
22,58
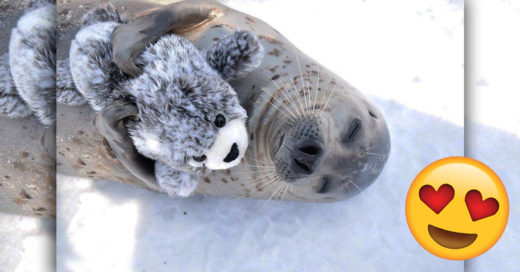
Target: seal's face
334,149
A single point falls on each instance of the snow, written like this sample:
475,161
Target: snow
26,243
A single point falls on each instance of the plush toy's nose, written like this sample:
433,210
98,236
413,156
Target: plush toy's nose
233,153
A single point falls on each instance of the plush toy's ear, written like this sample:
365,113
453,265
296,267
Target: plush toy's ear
236,55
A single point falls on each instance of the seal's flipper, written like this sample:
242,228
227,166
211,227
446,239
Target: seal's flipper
131,39
110,123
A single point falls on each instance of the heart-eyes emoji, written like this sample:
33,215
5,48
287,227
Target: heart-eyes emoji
457,208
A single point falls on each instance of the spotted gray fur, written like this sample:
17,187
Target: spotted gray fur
32,57
236,55
178,95
11,104
66,92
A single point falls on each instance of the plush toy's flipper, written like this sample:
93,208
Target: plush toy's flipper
11,104
66,92
32,53
236,55
94,73
110,122
131,39
174,182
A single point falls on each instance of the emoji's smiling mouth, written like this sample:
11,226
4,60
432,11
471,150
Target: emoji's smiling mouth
450,239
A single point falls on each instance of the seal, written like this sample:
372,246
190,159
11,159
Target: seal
313,137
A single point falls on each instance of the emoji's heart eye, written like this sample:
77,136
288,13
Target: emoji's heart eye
478,208
436,200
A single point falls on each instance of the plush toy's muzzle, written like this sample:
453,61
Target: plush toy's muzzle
228,149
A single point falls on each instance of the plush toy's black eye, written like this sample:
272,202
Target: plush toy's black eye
220,121
200,159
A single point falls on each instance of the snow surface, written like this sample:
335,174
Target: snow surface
27,244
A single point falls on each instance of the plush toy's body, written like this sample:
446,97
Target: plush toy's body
27,71
190,119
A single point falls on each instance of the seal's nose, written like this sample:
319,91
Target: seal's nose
306,156
233,153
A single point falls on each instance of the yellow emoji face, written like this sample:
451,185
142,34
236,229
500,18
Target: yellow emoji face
457,208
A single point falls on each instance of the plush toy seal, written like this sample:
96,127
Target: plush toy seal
190,120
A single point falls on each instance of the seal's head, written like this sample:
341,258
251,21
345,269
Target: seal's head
329,143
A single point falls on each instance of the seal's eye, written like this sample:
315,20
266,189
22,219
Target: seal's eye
199,159
220,121
354,128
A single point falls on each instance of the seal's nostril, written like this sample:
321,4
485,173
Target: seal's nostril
306,169
310,149
306,156
233,154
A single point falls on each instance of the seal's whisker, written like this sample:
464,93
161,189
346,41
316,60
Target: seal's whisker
272,195
285,190
293,104
281,89
256,187
376,154
317,89
263,162
261,177
259,186
260,166
308,102
328,99
289,148
279,109
355,185
264,166
301,74
267,99
257,172
280,101
302,113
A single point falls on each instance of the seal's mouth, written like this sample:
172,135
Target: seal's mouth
450,239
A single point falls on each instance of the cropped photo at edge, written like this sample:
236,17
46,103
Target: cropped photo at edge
228,136
27,135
